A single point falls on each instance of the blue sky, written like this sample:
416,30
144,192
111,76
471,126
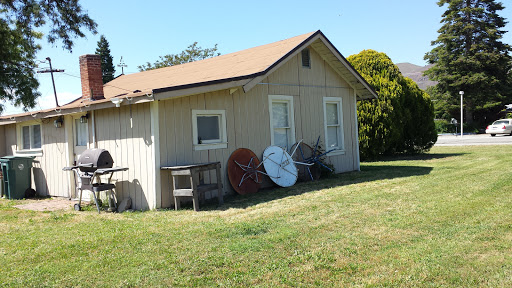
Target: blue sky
140,31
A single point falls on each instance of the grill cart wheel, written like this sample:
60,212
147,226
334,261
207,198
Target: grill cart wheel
77,207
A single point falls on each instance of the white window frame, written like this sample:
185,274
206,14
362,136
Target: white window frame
75,131
341,138
211,144
31,151
291,116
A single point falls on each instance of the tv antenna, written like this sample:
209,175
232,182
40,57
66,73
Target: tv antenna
122,65
51,70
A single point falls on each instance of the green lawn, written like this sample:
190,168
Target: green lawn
443,219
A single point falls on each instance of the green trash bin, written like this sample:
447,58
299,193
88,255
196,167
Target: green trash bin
17,176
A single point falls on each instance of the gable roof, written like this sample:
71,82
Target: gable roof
244,68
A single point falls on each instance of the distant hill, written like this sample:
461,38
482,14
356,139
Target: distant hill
415,72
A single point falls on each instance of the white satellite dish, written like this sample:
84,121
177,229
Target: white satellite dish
279,166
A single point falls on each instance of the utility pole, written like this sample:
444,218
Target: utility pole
461,113
53,81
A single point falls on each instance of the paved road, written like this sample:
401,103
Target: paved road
480,139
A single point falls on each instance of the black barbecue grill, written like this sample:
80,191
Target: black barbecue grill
92,164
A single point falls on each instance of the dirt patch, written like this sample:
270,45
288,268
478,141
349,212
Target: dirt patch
47,205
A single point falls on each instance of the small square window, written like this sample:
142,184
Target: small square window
209,129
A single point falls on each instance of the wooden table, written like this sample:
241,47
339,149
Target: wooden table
196,190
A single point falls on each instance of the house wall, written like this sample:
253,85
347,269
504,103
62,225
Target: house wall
248,120
126,133
2,141
48,179
10,139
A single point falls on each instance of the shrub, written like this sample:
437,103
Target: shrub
401,120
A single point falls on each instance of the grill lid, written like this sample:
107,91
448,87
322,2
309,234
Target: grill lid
93,159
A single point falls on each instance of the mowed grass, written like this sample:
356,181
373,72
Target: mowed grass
443,219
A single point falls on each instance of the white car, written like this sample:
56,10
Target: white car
502,126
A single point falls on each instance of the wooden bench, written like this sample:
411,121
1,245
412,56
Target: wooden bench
196,191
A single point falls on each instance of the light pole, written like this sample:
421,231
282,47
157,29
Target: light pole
461,113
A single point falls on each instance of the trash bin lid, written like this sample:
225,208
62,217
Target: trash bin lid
10,158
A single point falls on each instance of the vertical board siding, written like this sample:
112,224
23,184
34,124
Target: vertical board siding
10,139
126,133
49,179
2,141
344,162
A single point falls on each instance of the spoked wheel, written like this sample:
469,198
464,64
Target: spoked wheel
304,154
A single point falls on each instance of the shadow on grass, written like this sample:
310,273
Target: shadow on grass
368,173
416,157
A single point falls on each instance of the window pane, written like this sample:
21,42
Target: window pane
36,136
281,138
331,111
25,134
208,128
280,115
80,133
332,136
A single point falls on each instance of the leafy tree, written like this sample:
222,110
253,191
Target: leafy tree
107,66
469,56
21,22
191,54
401,120
377,117
419,131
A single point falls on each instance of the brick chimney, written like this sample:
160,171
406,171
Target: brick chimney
91,76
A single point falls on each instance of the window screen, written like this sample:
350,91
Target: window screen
36,136
26,137
332,124
208,129
80,133
31,137
281,124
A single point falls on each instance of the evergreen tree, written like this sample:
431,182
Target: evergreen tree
21,24
469,56
107,66
191,54
401,120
